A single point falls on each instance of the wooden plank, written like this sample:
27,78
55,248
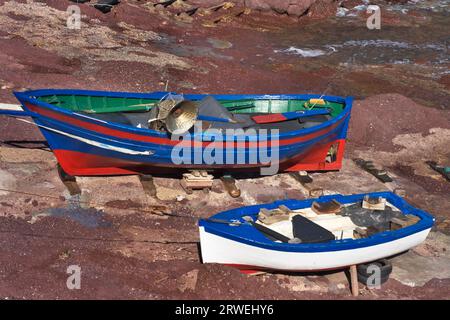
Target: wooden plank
354,281
409,220
148,185
13,107
230,185
69,181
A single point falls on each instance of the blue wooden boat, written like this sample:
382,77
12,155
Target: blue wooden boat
237,238
106,133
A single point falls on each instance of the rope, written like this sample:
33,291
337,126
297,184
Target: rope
37,235
97,204
233,222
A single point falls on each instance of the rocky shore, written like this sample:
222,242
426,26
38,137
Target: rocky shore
125,245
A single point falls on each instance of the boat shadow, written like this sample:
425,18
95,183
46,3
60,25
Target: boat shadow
27,144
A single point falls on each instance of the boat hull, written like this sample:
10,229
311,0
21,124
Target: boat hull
216,249
87,146
246,248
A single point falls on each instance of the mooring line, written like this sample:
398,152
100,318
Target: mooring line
36,235
93,203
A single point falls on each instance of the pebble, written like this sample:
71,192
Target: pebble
220,44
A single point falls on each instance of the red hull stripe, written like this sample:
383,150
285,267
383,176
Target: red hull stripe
84,164
164,141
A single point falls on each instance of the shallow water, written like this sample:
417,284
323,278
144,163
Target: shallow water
87,217
410,49
346,37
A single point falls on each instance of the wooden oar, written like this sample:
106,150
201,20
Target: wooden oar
266,231
241,107
279,117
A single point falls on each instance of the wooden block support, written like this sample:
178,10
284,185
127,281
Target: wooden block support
354,281
69,181
230,185
196,180
148,185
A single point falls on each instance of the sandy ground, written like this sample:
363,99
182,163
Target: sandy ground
124,241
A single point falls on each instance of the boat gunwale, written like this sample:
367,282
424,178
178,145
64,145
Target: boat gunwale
31,97
222,230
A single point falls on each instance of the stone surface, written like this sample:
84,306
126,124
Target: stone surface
7,181
294,8
430,260
188,281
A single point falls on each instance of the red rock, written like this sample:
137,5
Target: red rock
398,1
210,3
350,4
445,80
299,9
294,8
323,9
260,5
279,6
375,123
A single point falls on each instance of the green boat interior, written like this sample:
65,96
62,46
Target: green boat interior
136,112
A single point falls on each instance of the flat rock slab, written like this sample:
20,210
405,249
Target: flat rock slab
350,179
427,261
7,181
99,191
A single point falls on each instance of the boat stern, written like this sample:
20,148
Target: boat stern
327,156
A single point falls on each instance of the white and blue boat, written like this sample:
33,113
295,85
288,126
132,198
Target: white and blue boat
236,238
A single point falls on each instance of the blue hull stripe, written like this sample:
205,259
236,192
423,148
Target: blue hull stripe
163,152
